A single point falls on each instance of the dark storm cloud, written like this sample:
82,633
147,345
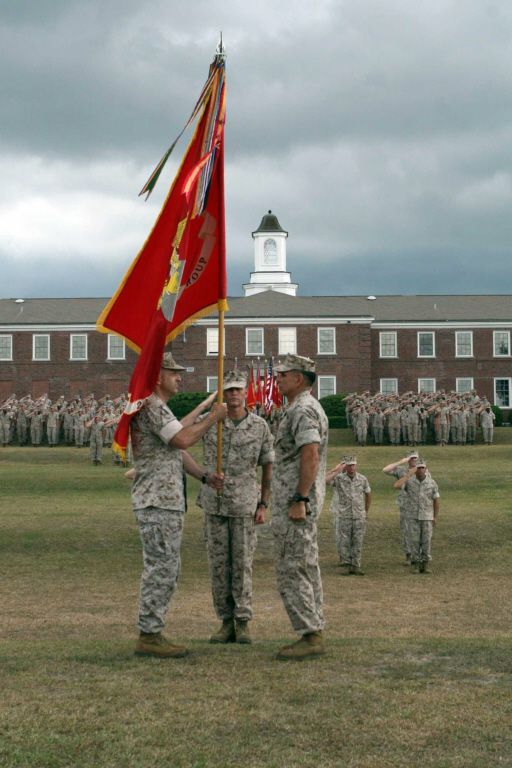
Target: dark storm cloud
378,132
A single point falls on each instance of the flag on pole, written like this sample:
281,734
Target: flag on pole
251,390
180,272
272,394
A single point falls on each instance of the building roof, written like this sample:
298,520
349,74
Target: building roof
269,223
271,304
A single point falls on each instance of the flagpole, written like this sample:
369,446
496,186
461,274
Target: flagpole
220,391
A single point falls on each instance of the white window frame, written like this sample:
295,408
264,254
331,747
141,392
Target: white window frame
464,378
40,336
391,391
495,354
326,328
320,379
281,348
212,350
210,386
457,343
7,336
262,350
424,333
426,378
381,336
503,378
109,351
74,336
270,252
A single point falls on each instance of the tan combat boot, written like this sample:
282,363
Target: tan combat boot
309,646
355,570
226,633
158,645
242,634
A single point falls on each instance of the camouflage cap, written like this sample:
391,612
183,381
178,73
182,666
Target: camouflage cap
296,363
170,364
349,460
413,455
421,463
234,380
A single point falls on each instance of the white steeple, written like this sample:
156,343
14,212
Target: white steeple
270,259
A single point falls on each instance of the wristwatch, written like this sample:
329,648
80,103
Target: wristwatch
204,478
298,497
262,503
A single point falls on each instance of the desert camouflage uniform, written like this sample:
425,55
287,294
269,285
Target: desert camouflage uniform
159,504
419,499
21,427
401,501
5,427
96,440
444,424
52,428
471,426
378,427
68,427
298,574
230,530
487,424
36,428
394,427
349,516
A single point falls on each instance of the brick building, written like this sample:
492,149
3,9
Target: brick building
384,343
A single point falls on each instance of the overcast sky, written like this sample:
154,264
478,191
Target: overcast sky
378,131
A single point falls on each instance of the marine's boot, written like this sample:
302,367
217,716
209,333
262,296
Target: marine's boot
424,567
242,634
158,645
356,570
309,646
226,633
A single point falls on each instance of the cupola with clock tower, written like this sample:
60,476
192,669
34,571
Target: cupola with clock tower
270,259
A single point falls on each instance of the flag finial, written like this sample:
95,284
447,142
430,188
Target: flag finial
221,51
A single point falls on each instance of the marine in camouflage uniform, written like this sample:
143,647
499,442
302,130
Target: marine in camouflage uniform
230,518
158,497
52,426
422,496
298,491
397,470
36,428
350,504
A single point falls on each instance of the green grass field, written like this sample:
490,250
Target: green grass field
419,669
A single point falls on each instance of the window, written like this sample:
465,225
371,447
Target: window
5,347
426,344
326,341
389,386
463,343
40,346
212,341
78,346
501,343
463,385
211,383
254,341
116,349
387,342
502,393
287,341
326,386
270,252
426,385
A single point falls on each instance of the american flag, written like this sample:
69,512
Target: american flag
272,394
